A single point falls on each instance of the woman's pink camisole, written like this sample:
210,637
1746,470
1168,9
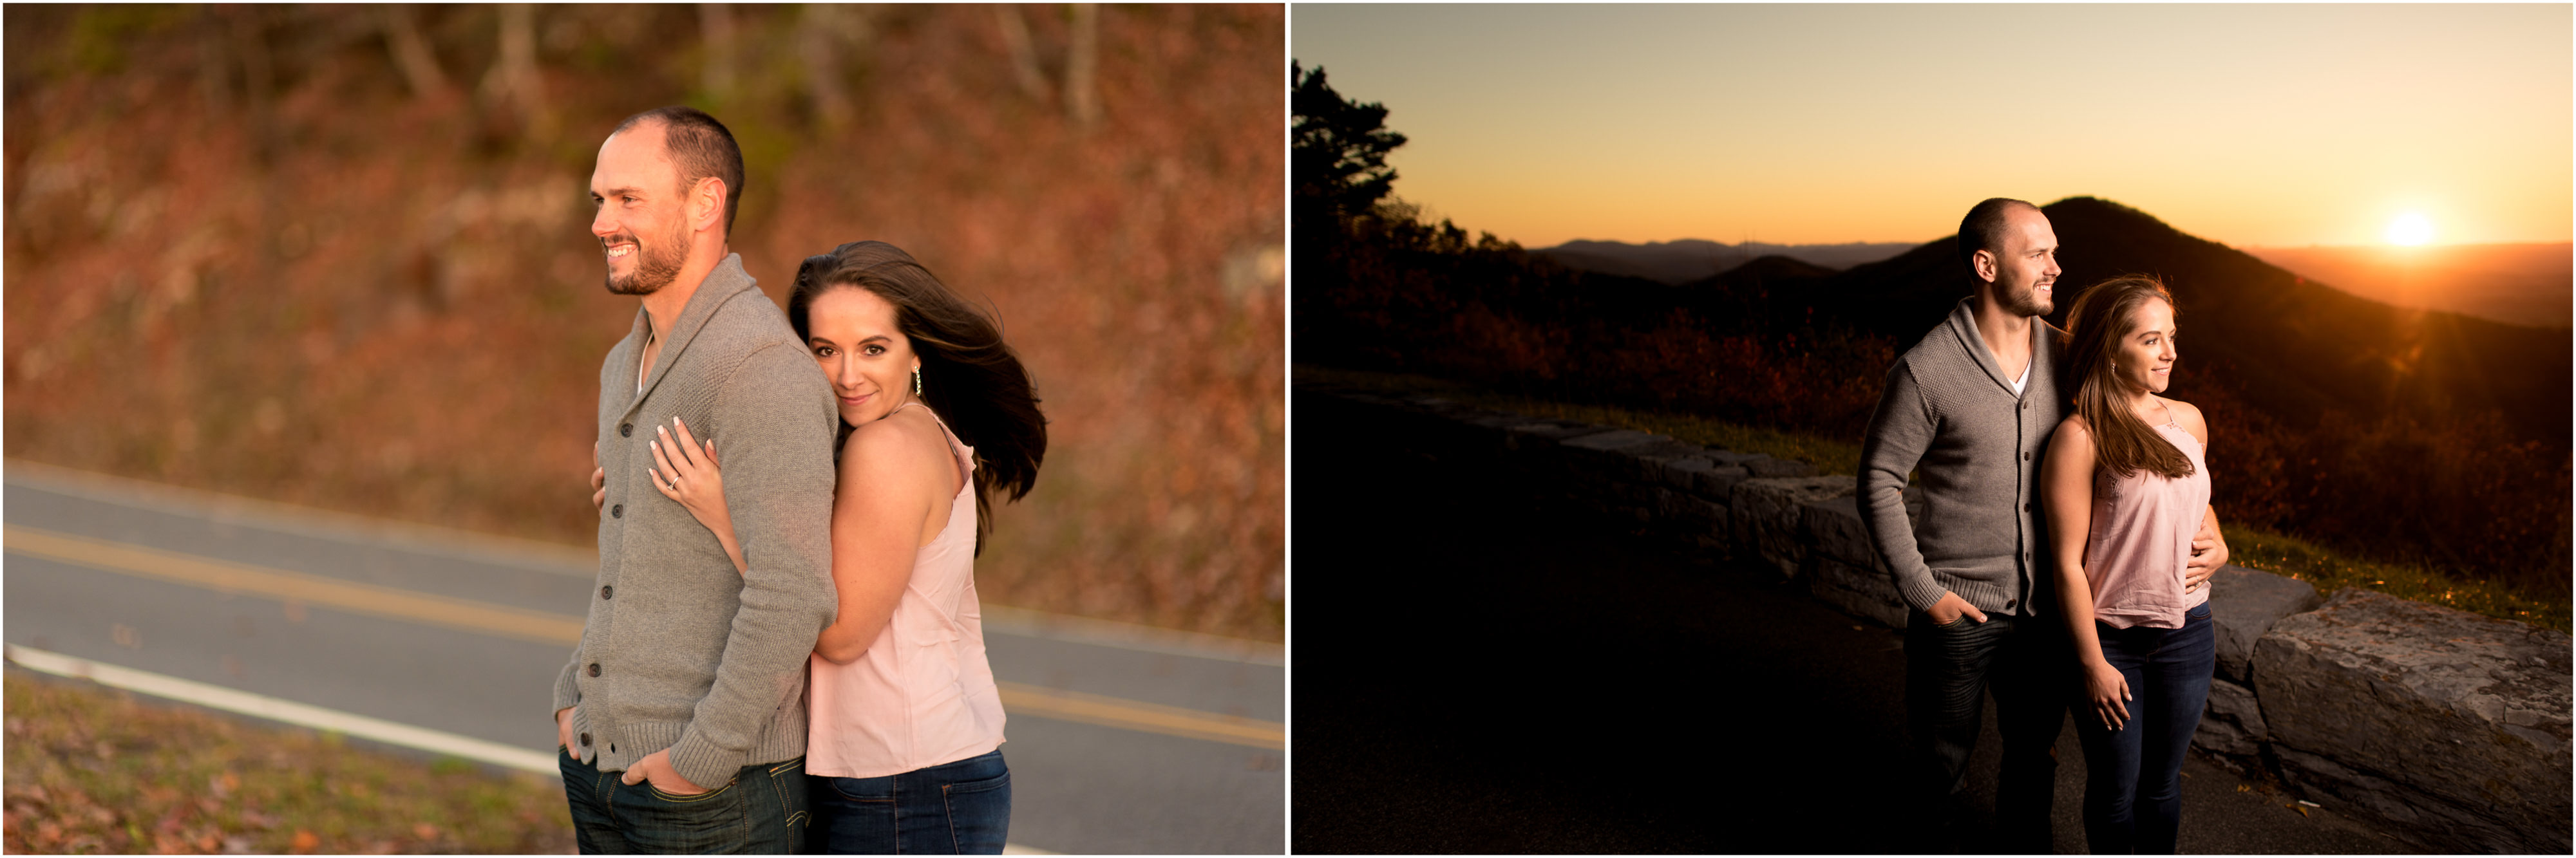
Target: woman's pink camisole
922,694
2141,535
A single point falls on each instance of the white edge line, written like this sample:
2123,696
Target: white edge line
316,717
300,714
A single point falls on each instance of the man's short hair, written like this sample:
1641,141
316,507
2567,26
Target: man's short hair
1983,229
699,147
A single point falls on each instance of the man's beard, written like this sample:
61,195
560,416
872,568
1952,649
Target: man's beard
2028,303
656,265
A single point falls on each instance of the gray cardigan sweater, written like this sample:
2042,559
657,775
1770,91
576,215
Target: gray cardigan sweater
680,651
1949,409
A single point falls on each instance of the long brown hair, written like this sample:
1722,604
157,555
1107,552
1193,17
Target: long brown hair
970,377
2104,317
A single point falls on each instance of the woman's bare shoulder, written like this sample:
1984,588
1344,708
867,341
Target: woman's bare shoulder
2191,419
901,445
2073,427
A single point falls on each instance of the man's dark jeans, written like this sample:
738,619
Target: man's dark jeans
2133,776
1948,670
762,811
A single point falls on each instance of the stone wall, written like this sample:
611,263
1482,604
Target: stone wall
2450,728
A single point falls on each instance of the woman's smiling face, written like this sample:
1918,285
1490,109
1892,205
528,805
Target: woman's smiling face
2144,359
853,336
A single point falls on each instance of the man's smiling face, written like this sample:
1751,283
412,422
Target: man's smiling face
642,219
2026,271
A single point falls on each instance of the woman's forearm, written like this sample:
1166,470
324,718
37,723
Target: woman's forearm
2075,600
733,549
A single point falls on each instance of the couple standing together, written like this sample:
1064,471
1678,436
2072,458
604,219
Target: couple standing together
785,653
2065,546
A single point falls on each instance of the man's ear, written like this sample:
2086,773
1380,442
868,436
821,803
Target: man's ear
707,203
1984,262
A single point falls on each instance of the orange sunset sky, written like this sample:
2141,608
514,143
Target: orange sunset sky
1791,123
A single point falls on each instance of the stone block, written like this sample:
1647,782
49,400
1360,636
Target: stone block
1601,452
2452,724
2243,604
1683,473
1718,482
1860,591
2429,822
1835,530
2233,723
1768,467
1689,512
1769,516
1646,461
1544,434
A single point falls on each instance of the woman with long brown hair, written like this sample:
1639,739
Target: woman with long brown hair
2126,486
904,719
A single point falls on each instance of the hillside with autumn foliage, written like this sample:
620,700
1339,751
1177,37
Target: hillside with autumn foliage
338,256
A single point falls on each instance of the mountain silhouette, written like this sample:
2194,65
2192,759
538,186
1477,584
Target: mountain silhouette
2293,347
1677,262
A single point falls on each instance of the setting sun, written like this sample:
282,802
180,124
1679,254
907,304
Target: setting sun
2410,229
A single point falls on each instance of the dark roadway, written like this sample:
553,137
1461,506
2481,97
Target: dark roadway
1480,672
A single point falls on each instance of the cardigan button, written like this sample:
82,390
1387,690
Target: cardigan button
2008,603
2025,455
617,511
626,430
606,591
594,668
585,740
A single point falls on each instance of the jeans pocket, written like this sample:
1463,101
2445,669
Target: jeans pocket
661,822
979,814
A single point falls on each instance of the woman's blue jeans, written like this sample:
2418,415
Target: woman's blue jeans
2133,776
959,808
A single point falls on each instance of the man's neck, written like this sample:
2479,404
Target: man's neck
663,307
2007,334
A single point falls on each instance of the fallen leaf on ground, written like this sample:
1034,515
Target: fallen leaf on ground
305,840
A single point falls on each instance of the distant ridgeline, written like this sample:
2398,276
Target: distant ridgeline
2532,283
1677,262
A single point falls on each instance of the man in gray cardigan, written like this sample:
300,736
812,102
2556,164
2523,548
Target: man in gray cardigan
1972,406
681,713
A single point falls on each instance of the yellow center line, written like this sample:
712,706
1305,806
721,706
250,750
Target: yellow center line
548,627
228,577
1136,715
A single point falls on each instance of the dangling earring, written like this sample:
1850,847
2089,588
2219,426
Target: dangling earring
916,381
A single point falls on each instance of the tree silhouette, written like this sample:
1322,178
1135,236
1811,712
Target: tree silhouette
1339,157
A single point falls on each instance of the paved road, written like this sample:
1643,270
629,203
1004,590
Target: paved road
1121,739
1503,676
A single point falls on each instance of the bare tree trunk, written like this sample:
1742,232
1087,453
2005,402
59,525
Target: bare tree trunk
1082,65
513,77
823,28
214,64
259,79
1024,53
715,25
411,52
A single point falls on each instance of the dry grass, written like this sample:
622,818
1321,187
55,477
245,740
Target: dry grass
366,300
97,771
